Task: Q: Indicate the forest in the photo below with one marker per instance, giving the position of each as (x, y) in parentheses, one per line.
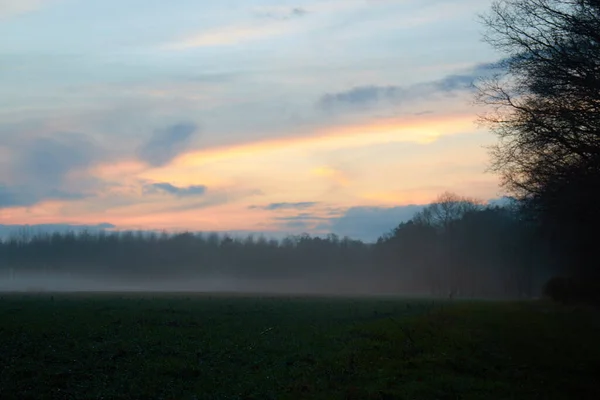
(453, 247)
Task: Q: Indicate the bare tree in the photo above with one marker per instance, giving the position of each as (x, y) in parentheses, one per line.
(545, 109)
(448, 207)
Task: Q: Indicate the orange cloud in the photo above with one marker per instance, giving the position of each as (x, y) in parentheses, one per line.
(118, 169)
(403, 197)
(411, 129)
(388, 163)
(328, 172)
(224, 217)
(46, 212)
(272, 165)
(139, 216)
(228, 36)
(482, 189)
(234, 34)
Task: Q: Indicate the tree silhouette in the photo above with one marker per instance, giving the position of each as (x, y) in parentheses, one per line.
(545, 109)
(447, 208)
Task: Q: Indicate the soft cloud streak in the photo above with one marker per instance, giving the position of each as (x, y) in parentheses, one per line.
(282, 13)
(9, 8)
(412, 129)
(54, 167)
(163, 187)
(286, 206)
(231, 35)
(167, 144)
(360, 96)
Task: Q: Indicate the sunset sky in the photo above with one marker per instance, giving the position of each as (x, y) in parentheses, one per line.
(239, 115)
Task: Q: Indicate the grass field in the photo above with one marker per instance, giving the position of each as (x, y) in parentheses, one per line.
(111, 346)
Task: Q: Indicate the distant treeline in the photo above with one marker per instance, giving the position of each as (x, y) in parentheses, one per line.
(461, 246)
(455, 246)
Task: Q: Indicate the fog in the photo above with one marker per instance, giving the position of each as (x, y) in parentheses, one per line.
(40, 282)
(454, 248)
(326, 285)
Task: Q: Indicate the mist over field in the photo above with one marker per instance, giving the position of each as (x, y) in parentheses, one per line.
(456, 247)
(44, 283)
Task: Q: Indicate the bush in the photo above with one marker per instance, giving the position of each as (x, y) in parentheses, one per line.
(568, 290)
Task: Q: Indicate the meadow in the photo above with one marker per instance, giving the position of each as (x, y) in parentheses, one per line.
(187, 346)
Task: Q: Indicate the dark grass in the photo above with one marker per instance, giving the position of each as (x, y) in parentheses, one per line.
(136, 346)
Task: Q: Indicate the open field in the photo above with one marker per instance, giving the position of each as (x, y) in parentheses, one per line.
(185, 346)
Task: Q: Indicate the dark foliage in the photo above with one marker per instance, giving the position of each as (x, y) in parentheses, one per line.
(545, 109)
(457, 246)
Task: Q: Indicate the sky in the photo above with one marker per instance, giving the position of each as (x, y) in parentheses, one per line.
(341, 116)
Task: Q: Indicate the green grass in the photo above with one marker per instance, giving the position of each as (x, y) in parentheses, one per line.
(197, 347)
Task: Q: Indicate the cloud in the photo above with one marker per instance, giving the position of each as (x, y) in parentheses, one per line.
(336, 175)
(362, 96)
(166, 144)
(9, 197)
(286, 206)
(50, 168)
(369, 223)
(297, 225)
(425, 112)
(189, 191)
(25, 196)
(261, 153)
(50, 159)
(216, 198)
(298, 12)
(301, 217)
(10, 8)
(302, 221)
(227, 36)
(273, 21)
(283, 13)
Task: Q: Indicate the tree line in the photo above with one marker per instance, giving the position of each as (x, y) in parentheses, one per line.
(453, 247)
